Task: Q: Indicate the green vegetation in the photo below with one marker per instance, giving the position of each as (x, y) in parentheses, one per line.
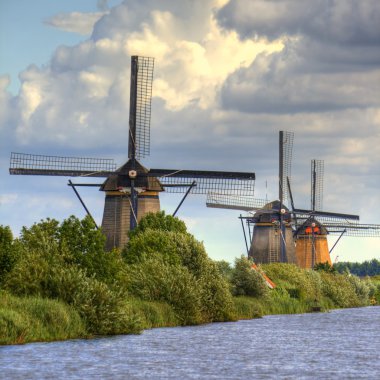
(366, 268)
(57, 282)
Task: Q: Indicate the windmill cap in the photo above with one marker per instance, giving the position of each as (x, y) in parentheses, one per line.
(122, 177)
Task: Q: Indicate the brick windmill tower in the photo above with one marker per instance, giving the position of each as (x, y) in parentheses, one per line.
(312, 227)
(132, 190)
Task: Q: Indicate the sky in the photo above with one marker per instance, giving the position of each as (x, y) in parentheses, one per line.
(229, 75)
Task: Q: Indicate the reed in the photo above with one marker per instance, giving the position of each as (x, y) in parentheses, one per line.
(31, 319)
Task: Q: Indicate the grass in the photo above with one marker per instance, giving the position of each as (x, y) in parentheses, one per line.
(32, 319)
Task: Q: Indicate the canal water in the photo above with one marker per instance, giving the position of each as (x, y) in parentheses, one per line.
(341, 344)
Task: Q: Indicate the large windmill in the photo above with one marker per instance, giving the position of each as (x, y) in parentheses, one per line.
(132, 190)
(272, 234)
(313, 226)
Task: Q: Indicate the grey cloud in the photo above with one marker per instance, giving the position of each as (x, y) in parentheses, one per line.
(334, 21)
(286, 82)
(332, 63)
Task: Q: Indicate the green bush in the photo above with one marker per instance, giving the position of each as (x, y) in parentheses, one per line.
(225, 269)
(159, 221)
(9, 251)
(247, 281)
(340, 290)
(154, 280)
(299, 283)
(46, 275)
(153, 243)
(158, 251)
(216, 298)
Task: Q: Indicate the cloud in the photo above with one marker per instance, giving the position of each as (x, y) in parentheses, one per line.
(75, 22)
(331, 21)
(285, 82)
(330, 59)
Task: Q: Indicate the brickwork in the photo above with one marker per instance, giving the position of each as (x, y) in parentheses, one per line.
(266, 243)
(304, 251)
(116, 216)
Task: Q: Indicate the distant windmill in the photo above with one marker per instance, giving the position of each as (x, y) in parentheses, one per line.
(312, 226)
(270, 227)
(272, 236)
(132, 190)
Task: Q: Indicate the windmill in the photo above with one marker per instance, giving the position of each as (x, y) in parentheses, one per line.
(272, 235)
(132, 190)
(313, 226)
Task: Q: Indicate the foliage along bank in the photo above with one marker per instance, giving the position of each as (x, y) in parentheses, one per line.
(57, 282)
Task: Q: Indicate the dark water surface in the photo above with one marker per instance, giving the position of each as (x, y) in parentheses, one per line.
(342, 344)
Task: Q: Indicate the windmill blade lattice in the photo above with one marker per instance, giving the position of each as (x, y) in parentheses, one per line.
(317, 170)
(140, 106)
(36, 164)
(234, 202)
(178, 181)
(325, 216)
(352, 229)
(285, 162)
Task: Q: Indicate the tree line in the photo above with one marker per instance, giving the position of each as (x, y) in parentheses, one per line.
(366, 268)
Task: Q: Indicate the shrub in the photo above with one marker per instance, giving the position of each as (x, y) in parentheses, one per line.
(340, 290)
(162, 241)
(46, 275)
(159, 221)
(326, 267)
(153, 243)
(154, 280)
(9, 251)
(290, 277)
(225, 269)
(246, 281)
(75, 242)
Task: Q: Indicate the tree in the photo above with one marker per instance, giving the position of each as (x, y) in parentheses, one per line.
(9, 252)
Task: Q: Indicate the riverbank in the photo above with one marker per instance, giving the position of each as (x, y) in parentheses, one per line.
(57, 282)
(33, 319)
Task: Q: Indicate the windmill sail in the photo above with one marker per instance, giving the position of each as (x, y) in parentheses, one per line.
(140, 106)
(234, 202)
(353, 229)
(36, 164)
(237, 183)
(317, 168)
(285, 163)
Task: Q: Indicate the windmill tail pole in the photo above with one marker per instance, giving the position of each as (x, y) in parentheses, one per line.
(267, 280)
(245, 236)
(340, 236)
(81, 201)
(194, 183)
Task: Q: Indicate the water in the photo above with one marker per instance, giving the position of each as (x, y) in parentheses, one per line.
(342, 344)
